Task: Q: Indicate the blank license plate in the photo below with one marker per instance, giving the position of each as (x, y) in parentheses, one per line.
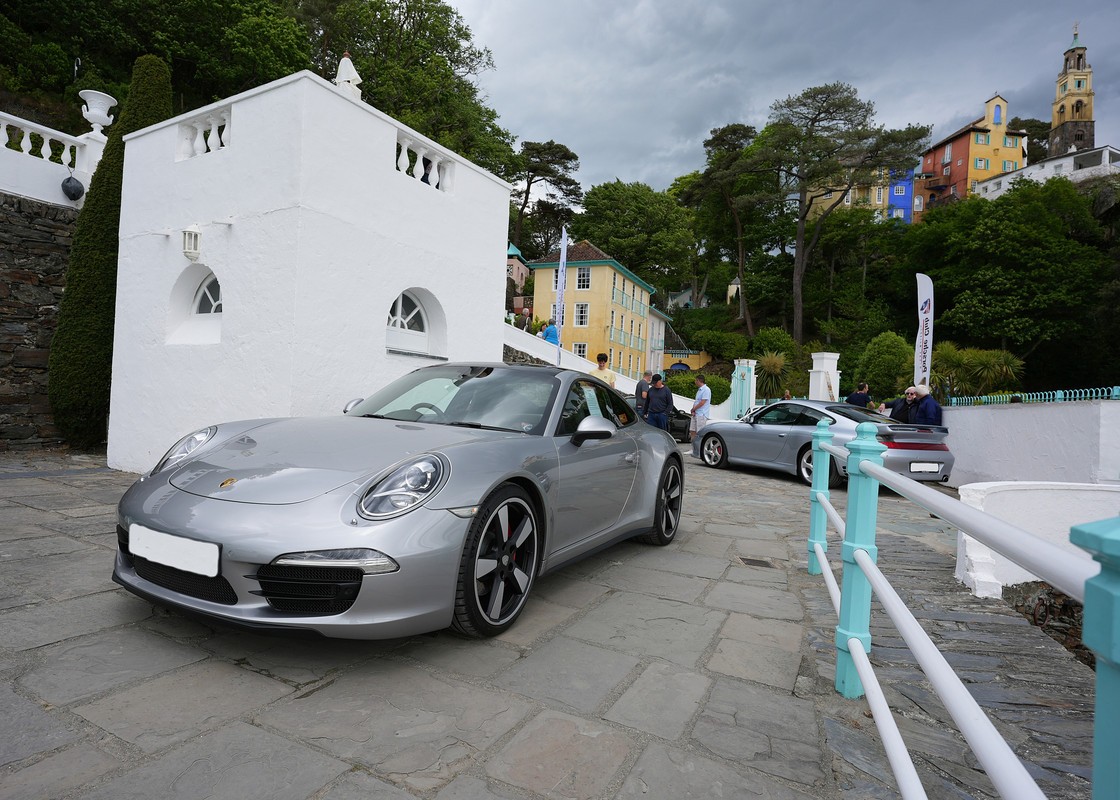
(924, 466)
(189, 555)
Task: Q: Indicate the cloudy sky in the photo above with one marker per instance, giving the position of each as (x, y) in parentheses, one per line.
(634, 86)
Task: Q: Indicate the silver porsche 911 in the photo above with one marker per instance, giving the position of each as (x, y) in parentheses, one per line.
(436, 502)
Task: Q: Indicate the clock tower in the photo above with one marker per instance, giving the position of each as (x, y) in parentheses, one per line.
(1071, 118)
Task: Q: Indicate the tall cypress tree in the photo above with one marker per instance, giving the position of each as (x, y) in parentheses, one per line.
(81, 358)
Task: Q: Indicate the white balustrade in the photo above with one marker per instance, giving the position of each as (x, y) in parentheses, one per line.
(207, 133)
(67, 146)
(423, 163)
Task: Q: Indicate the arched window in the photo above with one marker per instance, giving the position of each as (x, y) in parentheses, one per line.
(1077, 109)
(997, 118)
(1061, 113)
(917, 202)
(208, 299)
(407, 327)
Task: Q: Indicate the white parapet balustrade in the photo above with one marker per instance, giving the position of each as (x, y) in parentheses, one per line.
(52, 145)
(35, 159)
(205, 133)
(421, 161)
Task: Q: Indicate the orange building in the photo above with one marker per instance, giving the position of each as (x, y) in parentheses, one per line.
(953, 167)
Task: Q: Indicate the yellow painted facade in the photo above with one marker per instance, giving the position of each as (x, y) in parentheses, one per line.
(606, 308)
(992, 149)
(874, 196)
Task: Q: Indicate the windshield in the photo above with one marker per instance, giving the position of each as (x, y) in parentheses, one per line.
(477, 397)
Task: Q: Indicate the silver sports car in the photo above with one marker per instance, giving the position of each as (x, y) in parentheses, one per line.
(436, 502)
(780, 436)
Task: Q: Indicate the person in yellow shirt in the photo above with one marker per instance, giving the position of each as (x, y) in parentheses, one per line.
(602, 373)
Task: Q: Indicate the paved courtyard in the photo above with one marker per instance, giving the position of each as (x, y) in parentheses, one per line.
(700, 670)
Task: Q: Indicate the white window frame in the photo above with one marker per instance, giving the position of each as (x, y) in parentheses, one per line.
(581, 314)
(917, 202)
(580, 349)
(212, 296)
(559, 317)
(982, 163)
(900, 190)
(583, 278)
(878, 194)
(406, 327)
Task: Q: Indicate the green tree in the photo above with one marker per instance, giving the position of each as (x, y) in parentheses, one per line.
(549, 166)
(820, 144)
(1017, 271)
(773, 371)
(887, 365)
(646, 231)
(1038, 136)
(81, 357)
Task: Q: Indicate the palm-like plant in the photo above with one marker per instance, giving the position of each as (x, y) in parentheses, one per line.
(772, 371)
(991, 370)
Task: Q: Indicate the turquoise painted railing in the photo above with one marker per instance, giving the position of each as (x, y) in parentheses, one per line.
(1056, 396)
(861, 578)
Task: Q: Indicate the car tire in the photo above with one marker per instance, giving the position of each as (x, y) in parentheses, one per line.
(805, 468)
(713, 451)
(667, 509)
(499, 564)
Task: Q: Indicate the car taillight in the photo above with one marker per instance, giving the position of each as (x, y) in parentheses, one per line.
(893, 445)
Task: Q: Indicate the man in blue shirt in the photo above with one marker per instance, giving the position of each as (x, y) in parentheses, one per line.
(859, 397)
(659, 400)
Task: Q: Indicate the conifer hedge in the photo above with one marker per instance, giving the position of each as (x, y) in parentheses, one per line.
(81, 357)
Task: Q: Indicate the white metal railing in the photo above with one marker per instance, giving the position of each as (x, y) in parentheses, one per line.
(861, 576)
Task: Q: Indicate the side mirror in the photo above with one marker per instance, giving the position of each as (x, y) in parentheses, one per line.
(350, 406)
(593, 428)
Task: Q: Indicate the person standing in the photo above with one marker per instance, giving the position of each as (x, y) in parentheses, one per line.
(701, 408)
(659, 400)
(642, 387)
(859, 397)
(551, 333)
(525, 321)
(602, 372)
(927, 411)
(902, 409)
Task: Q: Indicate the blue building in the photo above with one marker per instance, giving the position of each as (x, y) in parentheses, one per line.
(900, 203)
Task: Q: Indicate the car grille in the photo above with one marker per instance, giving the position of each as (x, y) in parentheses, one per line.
(309, 590)
(214, 590)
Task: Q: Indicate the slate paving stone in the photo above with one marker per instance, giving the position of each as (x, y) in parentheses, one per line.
(668, 560)
(239, 761)
(42, 624)
(57, 774)
(662, 701)
(569, 672)
(62, 577)
(670, 586)
(408, 727)
(569, 592)
(298, 661)
(764, 728)
(463, 656)
(773, 666)
(650, 626)
(363, 786)
(78, 669)
(39, 547)
(26, 729)
(745, 628)
(539, 617)
(758, 575)
(466, 787)
(758, 601)
(561, 756)
(664, 772)
(705, 544)
(179, 705)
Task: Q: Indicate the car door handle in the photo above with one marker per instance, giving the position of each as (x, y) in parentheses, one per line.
(781, 435)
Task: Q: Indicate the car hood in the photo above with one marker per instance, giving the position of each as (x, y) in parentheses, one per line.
(293, 460)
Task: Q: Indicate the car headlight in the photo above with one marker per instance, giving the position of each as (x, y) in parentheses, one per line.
(183, 448)
(405, 488)
(370, 562)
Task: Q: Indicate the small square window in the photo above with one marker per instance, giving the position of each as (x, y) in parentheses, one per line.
(580, 349)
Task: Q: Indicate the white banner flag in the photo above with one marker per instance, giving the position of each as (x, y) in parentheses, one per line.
(561, 282)
(923, 345)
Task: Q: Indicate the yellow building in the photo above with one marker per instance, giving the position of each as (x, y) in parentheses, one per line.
(605, 309)
(874, 195)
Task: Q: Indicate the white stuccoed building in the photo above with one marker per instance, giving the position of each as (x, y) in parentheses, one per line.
(287, 250)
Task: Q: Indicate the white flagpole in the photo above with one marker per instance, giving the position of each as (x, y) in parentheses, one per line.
(923, 344)
(561, 282)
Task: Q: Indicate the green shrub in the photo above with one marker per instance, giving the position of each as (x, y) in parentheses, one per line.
(81, 357)
(774, 340)
(684, 384)
(887, 365)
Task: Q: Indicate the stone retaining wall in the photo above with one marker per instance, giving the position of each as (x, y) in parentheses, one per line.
(34, 249)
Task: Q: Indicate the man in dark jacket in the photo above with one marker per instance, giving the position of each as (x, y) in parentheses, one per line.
(927, 411)
(902, 409)
(659, 400)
